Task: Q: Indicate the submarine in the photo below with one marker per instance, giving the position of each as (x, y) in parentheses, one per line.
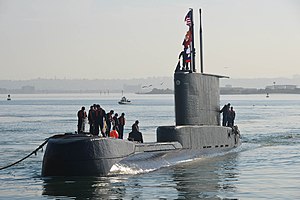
(197, 131)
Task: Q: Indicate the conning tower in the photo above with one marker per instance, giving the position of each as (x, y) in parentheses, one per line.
(197, 98)
(197, 103)
(197, 95)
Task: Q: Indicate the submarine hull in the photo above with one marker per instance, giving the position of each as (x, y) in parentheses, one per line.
(81, 155)
(192, 142)
(86, 155)
(197, 132)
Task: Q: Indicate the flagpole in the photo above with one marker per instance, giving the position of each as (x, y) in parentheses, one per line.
(193, 53)
(201, 47)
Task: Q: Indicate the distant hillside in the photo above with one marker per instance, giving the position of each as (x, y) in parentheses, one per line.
(84, 85)
(138, 85)
(240, 90)
(260, 82)
(160, 91)
(236, 90)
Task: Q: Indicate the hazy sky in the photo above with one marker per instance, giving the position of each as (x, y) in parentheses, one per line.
(142, 38)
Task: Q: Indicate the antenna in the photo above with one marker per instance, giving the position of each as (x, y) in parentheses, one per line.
(193, 50)
(201, 50)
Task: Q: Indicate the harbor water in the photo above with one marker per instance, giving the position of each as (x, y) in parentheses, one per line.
(265, 166)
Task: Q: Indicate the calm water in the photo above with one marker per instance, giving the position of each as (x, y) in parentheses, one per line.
(266, 166)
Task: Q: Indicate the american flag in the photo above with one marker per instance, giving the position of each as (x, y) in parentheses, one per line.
(188, 18)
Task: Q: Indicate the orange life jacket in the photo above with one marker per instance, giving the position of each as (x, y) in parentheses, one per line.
(114, 134)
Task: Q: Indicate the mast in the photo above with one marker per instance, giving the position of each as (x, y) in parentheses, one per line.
(193, 53)
(201, 46)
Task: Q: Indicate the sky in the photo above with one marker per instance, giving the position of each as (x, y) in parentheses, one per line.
(118, 39)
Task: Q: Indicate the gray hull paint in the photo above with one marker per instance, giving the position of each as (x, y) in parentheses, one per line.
(82, 155)
(197, 132)
(93, 156)
(192, 142)
(199, 137)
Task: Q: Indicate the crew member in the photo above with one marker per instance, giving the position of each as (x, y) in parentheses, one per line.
(183, 55)
(121, 125)
(91, 117)
(115, 122)
(231, 117)
(81, 114)
(99, 120)
(135, 134)
(225, 111)
(109, 120)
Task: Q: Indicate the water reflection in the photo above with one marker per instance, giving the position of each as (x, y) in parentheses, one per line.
(84, 187)
(209, 178)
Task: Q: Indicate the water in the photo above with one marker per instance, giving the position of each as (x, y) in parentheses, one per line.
(266, 166)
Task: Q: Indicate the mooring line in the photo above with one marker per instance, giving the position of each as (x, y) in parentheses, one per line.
(34, 152)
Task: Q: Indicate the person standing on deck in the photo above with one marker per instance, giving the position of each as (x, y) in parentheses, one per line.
(90, 118)
(115, 122)
(109, 119)
(100, 115)
(81, 114)
(96, 119)
(225, 111)
(84, 121)
(102, 121)
(231, 117)
(121, 125)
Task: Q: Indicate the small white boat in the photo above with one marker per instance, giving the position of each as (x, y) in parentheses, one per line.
(124, 100)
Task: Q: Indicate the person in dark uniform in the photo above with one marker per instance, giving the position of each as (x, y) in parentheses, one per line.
(90, 119)
(225, 111)
(81, 114)
(103, 128)
(231, 117)
(135, 134)
(115, 122)
(109, 119)
(184, 58)
(121, 125)
(135, 127)
(99, 119)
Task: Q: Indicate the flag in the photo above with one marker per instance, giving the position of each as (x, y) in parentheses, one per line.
(188, 18)
(187, 39)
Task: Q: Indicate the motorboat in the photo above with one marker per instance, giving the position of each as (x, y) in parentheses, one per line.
(124, 100)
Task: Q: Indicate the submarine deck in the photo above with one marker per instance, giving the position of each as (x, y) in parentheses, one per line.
(157, 146)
